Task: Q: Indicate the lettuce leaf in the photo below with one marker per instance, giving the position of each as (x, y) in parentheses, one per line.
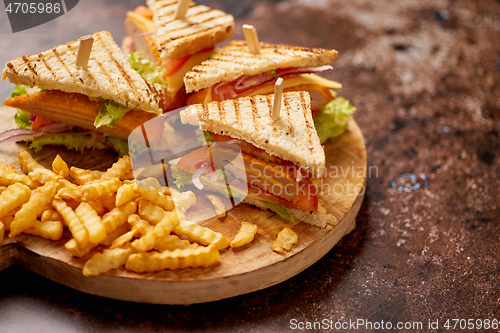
(150, 72)
(120, 145)
(333, 118)
(18, 91)
(22, 119)
(182, 177)
(110, 113)
(70, 141)
(278, 209)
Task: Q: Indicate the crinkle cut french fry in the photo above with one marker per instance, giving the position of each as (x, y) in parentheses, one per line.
(180, 258)
(10, 178)
(97, 206)
(202, 235)
(120, 168)
(48, 229)
(99, 188)
(82, 176)
(108, 201)
(13, 197)
(59, 165)
(27, 162)
(110, 238)
(51, 215)
(26, 217)
(67, 193)
(125, 238)
(245, 235)
(2, 188)
(92, 222)
(125, 194)
(77, 251)
(220, 209)
(162, 229)
(152, 213)
(42, 175)
(172, 242)
(6, 221)
(284, 241)
(153, 196)
(75, 225)
(7, 167)
(139, 224)
(118, 216)
(149, 182)
(107, 260)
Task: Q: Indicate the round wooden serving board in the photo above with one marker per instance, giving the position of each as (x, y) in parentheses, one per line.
(250, 268)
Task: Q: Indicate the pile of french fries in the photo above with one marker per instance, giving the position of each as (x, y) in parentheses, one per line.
(113, 220)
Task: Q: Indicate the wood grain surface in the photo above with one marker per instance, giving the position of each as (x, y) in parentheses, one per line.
(243, 270)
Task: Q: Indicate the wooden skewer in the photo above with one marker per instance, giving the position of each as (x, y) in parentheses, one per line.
(278, 95)
(84, 50)
(182, 8)
(252, 39)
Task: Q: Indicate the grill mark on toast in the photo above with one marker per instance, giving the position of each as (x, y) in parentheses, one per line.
(103, 70)
(122, 71)
(254, 113)
(237, 112)
(270, 105)
(11, 67)
(291, 129)
(197, 32)
(309, 126)
(42, 58)
(205, 113)
(58, 57)
(32, 69)
(163, 5)
(222, 114)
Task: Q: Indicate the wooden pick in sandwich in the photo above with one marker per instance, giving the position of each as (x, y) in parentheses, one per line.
(182, 8)
(252, 39)
(278, 94)
(84, 50)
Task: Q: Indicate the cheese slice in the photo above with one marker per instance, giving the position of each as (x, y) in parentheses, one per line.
(176, 81)
(302, 79)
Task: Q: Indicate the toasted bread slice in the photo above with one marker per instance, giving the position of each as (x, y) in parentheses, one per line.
(108, 75)
(201, 28)
(235, 60)
(77, 110)
(292, 137)
(136, 25)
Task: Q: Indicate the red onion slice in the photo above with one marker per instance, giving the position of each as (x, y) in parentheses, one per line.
(55, 128)
(147, 34)
(18, 134)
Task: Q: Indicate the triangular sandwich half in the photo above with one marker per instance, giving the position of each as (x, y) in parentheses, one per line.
(280, 157)
(176, 44)
(236, 72)
(95, 99)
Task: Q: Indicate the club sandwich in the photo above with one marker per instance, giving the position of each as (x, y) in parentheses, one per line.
(235, 72)
(176, 44)
(281, 157)
(61, 103)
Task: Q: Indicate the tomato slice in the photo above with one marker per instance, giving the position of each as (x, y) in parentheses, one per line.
(40, 121)
(308, 200)
(194, 160)
(173, 65)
